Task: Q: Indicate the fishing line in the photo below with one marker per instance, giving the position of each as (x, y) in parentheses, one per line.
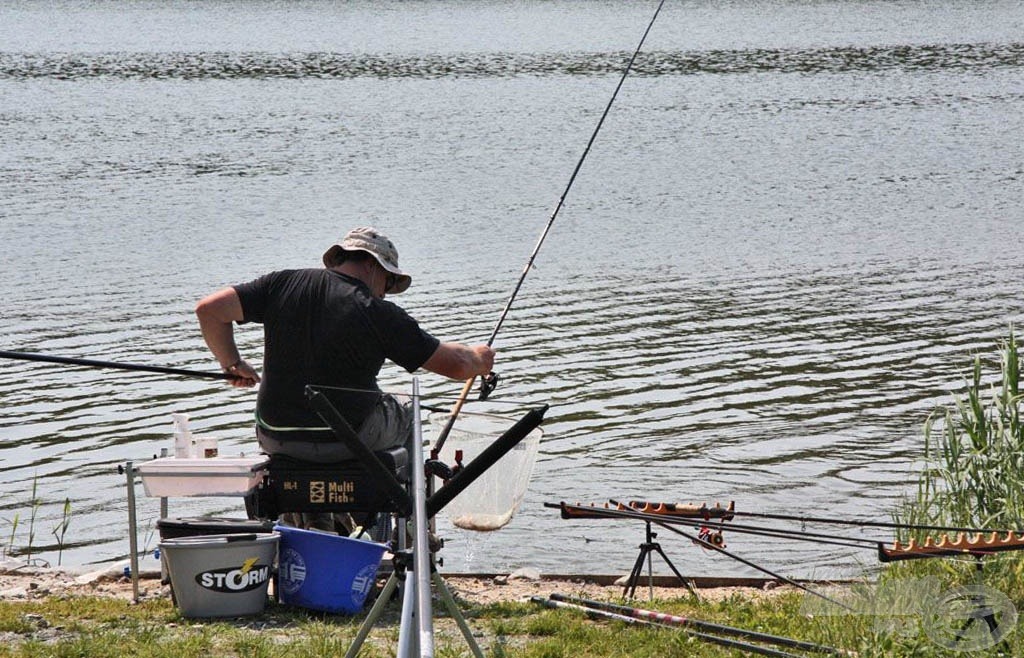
(547, 228)
(780, 533)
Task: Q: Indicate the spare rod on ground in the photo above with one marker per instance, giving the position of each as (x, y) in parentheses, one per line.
(710, 627)
(595, 613)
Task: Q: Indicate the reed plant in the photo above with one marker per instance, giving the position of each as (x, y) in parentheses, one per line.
(974, 454)
(973, 477)
(25, 553)
(977, 446)
(61, 529)
(9, 548)
(34, 505)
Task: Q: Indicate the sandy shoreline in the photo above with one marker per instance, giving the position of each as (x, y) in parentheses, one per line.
(30, 583)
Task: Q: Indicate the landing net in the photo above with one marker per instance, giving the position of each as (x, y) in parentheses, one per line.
(490, 502)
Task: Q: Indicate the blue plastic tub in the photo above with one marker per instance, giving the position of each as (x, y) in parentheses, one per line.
(326, 572)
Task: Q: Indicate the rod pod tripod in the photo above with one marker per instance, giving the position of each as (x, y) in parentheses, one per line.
(646, 548)
(415, 570)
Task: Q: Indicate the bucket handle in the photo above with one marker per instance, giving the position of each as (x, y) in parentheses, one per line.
(246, 537)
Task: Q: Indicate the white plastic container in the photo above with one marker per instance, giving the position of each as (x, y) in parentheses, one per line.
(205, 447)
(182, 436)
(219, 476)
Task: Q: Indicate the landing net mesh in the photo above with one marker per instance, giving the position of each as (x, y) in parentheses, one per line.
(490, 502)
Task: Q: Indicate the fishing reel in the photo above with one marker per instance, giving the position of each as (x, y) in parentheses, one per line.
(487, 385)
(711, 536)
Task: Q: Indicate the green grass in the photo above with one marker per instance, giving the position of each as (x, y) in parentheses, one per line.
(100, 627)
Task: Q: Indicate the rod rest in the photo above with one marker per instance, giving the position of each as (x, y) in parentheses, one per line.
(293, 485)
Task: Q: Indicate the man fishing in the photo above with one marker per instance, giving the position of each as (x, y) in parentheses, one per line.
(333, 328)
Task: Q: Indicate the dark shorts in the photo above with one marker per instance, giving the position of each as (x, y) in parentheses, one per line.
(388, 425)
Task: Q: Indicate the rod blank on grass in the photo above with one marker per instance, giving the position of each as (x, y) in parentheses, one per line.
(595, 613)
(676, 620)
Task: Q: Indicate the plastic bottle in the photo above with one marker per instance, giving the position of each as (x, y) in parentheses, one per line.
(182, 436)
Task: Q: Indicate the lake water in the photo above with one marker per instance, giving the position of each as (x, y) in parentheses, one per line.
(797, 226)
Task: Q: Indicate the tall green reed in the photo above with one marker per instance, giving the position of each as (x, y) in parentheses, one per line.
(25, 553)
(61, 529)
(974, 453)
(973, 475)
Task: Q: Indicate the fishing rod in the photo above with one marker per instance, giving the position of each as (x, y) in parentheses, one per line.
(871, 524)
(597, 613)
(975, 543)
(676, 620)
(29, 356)
(696, 521)
(654, 518)
(491, 381)
(835, 521)
(780, 533)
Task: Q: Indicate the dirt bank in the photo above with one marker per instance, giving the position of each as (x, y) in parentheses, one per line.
(25, 583)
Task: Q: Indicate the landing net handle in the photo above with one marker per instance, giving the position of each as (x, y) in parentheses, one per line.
(392, 487)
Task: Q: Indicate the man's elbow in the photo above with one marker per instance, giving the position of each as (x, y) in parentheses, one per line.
(222, 306)
(457, 361)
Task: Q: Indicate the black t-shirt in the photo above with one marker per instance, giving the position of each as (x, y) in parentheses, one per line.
(325, 328)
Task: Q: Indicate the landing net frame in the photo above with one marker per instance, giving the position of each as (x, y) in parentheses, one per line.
(492, 500)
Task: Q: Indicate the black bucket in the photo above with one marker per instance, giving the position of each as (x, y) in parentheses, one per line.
(213, 525)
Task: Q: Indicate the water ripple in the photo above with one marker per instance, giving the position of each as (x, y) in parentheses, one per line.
(328, 65)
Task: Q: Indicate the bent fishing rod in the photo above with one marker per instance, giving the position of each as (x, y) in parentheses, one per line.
(92, 363)
(488, 384)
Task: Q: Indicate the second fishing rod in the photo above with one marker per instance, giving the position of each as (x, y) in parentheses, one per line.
(492, 381)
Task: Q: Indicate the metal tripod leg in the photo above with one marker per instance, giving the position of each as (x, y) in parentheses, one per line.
(646, 549)
(416, 633)
(375, 613)
(453, 610)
